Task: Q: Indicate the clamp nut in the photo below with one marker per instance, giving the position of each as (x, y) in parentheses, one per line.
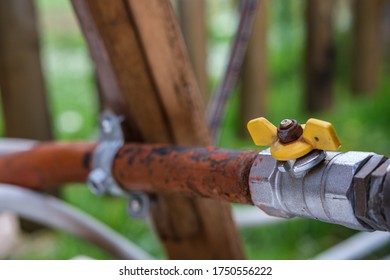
(97, 181)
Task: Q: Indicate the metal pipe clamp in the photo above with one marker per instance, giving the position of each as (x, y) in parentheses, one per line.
(101, 180)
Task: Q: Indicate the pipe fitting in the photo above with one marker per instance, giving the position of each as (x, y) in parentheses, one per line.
(325, 192)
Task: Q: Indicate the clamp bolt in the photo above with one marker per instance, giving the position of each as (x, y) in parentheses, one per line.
(97, 181)
(106, 126)
(139, 204)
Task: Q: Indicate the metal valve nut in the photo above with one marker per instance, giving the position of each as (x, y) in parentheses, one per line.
(375, 197)
(361, 188)
(386, 198)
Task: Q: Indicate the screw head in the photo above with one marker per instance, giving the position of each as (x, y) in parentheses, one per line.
(135, 206)
(289, 131)
(138, 206)
(97, 181)
(106, 126)
(286, 123)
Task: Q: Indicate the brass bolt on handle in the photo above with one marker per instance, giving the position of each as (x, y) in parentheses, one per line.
(289, 131)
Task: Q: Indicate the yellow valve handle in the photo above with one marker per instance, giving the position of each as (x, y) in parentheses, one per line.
(316, 134)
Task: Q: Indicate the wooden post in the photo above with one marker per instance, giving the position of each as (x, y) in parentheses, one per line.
(367, 44)
(320, 55)
(254, 74)
(145, 76)
(22, 86)
(193, 25)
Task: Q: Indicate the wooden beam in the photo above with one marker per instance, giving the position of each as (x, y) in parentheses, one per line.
(193, 25)
(319, 55)
(145, 75)
(21, 80)
(367, 44)
(254, 74)
(23, 90)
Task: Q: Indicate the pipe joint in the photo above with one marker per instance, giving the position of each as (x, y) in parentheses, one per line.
(350, 189)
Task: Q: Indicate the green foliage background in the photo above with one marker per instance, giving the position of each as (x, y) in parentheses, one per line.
(362, 122)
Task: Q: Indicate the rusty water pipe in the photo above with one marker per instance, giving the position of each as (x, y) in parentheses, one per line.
(207, 172)
(47, 165)
(201, 171)
(351, 189)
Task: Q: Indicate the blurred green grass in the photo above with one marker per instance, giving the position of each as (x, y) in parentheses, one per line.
(362, 122)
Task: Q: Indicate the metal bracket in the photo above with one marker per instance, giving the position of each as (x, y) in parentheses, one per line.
(100, 179)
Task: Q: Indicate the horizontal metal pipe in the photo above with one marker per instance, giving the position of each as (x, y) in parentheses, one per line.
(206, 171)
(356, 247)
(13, 145)
(57, 214)
(47, 165)
(351, 189)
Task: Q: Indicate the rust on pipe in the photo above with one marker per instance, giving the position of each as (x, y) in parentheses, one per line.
(198, 171)
(47, 165)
